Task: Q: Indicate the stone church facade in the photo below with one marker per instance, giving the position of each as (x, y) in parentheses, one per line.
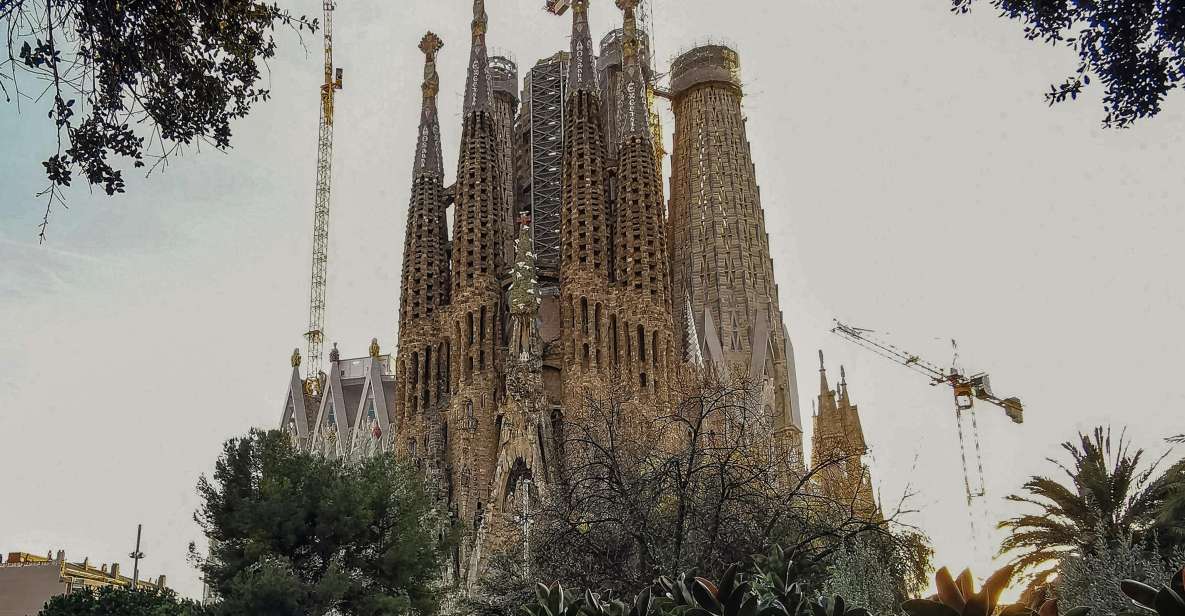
(497, 346)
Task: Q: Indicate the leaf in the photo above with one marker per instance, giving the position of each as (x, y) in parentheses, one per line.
(926, 607)
(948, 591)
(1169, 603)
(1143, 594)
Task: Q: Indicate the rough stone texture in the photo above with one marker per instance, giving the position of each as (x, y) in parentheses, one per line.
(586, 300)
(423, 361)
(838, 445)
(719, 248)
(640, 242)
(503, 107)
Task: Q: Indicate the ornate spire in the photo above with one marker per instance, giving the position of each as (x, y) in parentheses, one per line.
(844, 401)
(581, 71)
(374, 348)
(428, 153)
(477, 83)
(633, 114)
(524, 283)
(823, 386)
(295, 358)
(334, 355)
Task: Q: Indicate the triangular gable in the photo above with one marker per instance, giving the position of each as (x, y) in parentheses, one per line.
(759, 345)
(373, 398)
(792, 376)
(332, 396)
(712, 338)
(294, 413)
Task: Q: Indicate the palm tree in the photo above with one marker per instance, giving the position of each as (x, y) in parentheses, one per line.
(1108, 496)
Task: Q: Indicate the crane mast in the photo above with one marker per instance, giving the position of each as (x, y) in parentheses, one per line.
(316, 332)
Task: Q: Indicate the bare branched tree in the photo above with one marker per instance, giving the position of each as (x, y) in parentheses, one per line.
(696, 481)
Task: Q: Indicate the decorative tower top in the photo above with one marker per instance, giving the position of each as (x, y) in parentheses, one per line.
(581, 72)
(843, 388)
(524, 283)
(477, 83)
(826, 396)
(634, 117)
(295, 358)
(428, 153)
(374, 348)
(334, 355)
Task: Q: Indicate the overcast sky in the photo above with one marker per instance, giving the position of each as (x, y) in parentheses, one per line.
(913, 179)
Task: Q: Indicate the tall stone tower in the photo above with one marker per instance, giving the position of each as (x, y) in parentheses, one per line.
(722, 275)
(586, 300)
(504, 106)
(639, 232)
(472, 324)
(421, 365)
(838, 446)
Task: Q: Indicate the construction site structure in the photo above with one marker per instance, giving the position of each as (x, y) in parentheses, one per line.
(555, 279)
(722, 275)
(838, 447)
(539, 132)
(966, 390)
(316, 332)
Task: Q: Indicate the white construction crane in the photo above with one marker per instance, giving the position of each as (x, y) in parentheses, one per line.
(316, 332)
(966, 390)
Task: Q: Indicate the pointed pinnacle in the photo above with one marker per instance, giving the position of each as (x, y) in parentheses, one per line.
(480, 19)
(431, 44)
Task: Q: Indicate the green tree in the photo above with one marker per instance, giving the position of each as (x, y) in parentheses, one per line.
(295, 533)
(112, 601)
(880, 572)
(1107, 494)
(126, 79)
(1134, 48)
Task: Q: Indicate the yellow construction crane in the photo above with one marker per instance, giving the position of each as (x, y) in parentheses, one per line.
(316, 332)
(966, 389)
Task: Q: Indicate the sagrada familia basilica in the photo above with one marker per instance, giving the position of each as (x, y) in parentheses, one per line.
(566, 269)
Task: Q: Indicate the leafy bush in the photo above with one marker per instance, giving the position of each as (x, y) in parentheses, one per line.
(1095, 580)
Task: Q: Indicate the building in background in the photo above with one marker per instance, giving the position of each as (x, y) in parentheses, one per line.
(838, 447)
(351, 416)
(564, 270)
(27, 581)
(722, 276)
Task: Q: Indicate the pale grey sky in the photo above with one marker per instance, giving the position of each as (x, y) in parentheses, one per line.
(913, 179)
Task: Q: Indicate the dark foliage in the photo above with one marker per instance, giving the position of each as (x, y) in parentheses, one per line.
(648, 491)
(112, 601)
(294, 533)
(771, 589)
(123, 79)
(1134, 48)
